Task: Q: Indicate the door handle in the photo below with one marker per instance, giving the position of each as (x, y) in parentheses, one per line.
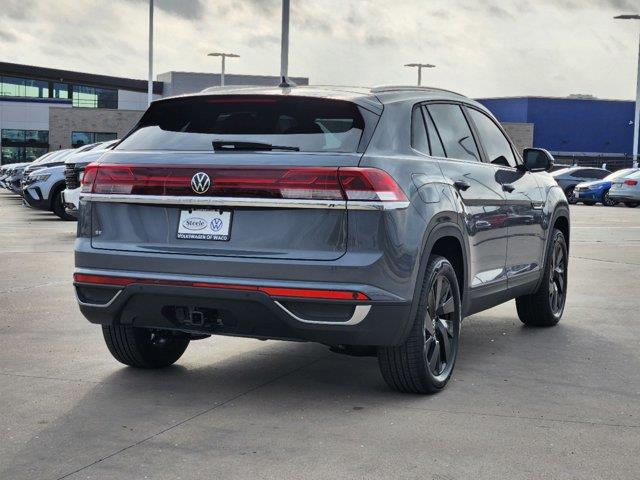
(507, 187)
(462, 185)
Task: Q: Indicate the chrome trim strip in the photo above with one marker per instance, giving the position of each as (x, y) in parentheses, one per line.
(376, 206)
(97, 305)
(359, 314)
(243, 202)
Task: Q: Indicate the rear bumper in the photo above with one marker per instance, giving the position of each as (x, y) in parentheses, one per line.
(625, 196)
(243, 313)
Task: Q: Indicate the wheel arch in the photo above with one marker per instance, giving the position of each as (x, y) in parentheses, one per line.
(53, 191)
(444, 238)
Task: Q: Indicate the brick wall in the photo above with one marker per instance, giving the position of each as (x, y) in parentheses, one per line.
(63, 121)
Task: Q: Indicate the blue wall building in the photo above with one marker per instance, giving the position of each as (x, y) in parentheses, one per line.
(576, 125)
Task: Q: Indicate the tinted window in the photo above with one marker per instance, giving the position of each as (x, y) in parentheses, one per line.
(496, 145)
(599, 174)
(418, 133)
(437, 150)
(310, 124)
(454, 131)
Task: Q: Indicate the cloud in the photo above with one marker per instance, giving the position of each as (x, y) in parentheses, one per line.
(188, 9)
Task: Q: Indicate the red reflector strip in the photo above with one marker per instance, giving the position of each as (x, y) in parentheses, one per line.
(271, 291)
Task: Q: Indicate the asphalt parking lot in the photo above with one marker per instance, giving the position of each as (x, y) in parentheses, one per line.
(523, 403)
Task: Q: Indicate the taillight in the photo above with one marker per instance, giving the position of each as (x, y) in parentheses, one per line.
(631, 183)
(303, 183)
(90, 171)
(369, 184)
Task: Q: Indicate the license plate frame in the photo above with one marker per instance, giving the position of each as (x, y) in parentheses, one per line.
(205, 224)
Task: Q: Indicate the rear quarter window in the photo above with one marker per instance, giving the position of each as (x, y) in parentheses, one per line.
(308, 124)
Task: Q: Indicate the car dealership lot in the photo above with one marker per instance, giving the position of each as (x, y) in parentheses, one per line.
(523, 403)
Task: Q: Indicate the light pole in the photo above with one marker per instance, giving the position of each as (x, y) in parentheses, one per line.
(420, 67)
(223, 56)
(636, 121)
(150, 85)
(284, 45)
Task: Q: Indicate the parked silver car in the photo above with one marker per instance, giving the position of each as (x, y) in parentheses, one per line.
(627, 190)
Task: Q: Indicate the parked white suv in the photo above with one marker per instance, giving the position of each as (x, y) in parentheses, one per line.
(74, 171)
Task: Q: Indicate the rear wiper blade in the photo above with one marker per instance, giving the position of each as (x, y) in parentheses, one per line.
(249, 147)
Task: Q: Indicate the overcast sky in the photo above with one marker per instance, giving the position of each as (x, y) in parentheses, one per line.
(481, 48)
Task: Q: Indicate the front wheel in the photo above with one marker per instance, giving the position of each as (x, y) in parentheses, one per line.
(571, 196)
(144, 348)
(58, 207)
(544, 307)
(425, 361)
(631, 204)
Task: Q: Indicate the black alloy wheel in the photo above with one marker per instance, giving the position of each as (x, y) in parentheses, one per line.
(424, 362)
(571, 196)
(441, 336)
(557, 278)
(607, 201)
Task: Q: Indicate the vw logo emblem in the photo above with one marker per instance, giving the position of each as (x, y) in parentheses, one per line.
(200, 183)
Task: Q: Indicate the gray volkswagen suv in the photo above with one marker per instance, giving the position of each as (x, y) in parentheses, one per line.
(369, 220)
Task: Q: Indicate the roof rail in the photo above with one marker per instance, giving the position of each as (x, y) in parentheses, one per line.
(409, 88)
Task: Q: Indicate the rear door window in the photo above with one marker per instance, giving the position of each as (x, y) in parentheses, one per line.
(496, 145)
(301, 123)
(418, 133)
(437, 150)
(454, 131)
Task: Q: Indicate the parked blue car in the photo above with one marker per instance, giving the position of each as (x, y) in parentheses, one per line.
(597, 191)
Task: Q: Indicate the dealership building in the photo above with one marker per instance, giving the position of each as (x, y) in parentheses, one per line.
(44, 109)
(575, 126)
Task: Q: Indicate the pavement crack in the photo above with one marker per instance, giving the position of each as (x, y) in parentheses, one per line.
(29, 287)
(603, 260)
(192, 417)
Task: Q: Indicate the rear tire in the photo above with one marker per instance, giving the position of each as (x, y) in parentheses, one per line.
(425, 361)
(144, 348)
(544, 307)
(631, 204)
(607, 201)
(58, 207)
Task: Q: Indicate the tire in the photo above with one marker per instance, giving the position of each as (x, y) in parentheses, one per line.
(144, 348)
(57, 206)
(631, 204)
(571, 198)
(422, 364)
(607, 201)
(545, 307)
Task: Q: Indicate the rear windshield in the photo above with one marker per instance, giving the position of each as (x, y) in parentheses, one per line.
(307, 124)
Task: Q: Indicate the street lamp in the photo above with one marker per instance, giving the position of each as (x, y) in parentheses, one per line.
(420, 67)
(223, 56)
(636, 121)
(150, 83)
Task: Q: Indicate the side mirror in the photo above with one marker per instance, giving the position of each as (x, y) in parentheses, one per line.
(537, 160)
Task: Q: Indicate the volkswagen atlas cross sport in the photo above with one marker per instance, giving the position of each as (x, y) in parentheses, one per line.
(369, 220)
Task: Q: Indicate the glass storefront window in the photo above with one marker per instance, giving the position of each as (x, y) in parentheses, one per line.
(23, 87)
(78, 139)
(23, 145)
(94, 97)
(21, 154)
(60, 90)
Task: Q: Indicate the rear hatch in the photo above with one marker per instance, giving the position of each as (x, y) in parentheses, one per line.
(228, 175)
